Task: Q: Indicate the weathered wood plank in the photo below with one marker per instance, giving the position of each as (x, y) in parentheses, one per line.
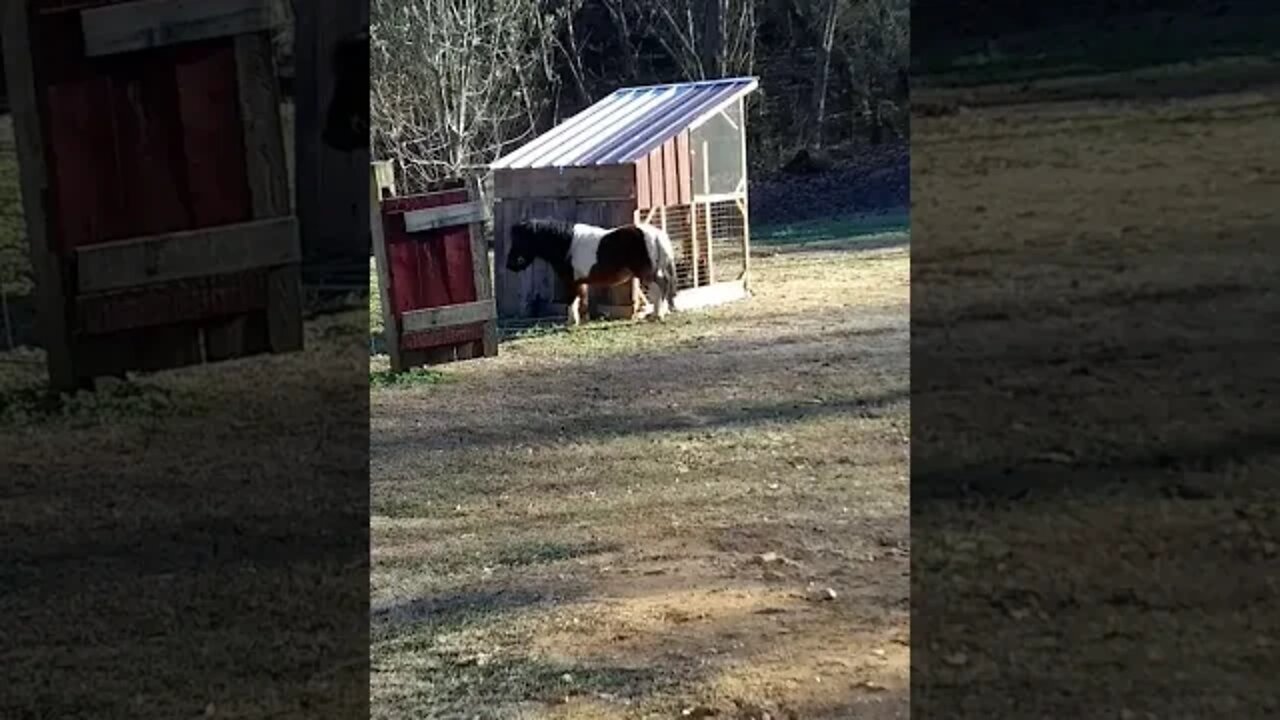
(443, 217)
(267, 170)
(390, 325)
(263, 135)
(147, 24)
(384, 174)
(482, 275)
(187, 254)
(47, 265)
(441, 317)
(193, 300)
(603, 182)
(433, 346)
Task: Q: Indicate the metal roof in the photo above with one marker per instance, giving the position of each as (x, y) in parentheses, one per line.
(627, 125)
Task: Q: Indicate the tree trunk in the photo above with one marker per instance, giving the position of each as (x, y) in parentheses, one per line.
(824, 73)
(714, 12)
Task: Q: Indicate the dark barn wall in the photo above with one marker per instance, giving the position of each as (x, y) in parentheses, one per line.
(332, 199)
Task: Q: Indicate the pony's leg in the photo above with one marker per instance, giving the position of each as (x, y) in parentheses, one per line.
(658, 293)
(578, 307)
(638, 299)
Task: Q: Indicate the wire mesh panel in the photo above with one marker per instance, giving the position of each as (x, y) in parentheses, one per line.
(727, 240)
(709, 237)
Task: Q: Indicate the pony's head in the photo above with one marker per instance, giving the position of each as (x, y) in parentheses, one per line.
(530, 240)
(346, 126)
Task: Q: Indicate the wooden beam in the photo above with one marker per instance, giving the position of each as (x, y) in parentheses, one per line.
(711, 295)
(390, 326)
(193, 300)
(187, 254)
(47, 265)
(743, 202)
(384, 174)
(719, 197)
(440, 317)
(443, 217)
(268, 174)
(147, 24)
(603, 182)
(259, 97)
(483, 273)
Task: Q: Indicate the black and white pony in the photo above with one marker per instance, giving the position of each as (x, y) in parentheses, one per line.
(586, 256)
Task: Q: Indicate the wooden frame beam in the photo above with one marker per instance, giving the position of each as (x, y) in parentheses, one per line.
(147, 24)
(268, 176)
(468, 213)
(188, 254)
(482, 270)
(390, 326)
(46, 264)
(602, 182)
(448, 316)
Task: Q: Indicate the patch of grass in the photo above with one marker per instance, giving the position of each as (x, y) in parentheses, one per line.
(861, 231)
(34, 404)
(1120, 46)
(538, 552)
(413, 378)
(592, 499)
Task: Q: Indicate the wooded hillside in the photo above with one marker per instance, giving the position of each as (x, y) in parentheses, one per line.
(458, 82)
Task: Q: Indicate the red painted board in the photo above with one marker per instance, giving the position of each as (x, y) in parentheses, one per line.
(183, 301)
(137, 143)
(643, 201)
(670, 177)
(428, 269)
(217, 186)
(685, 179)
(442, 337)
(657, 179)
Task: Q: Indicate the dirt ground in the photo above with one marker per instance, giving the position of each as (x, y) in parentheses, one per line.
(1083, 270)
(186, 544)
(642, 520)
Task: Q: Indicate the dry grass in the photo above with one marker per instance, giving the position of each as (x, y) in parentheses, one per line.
(189, 539)
(1078, 269)
(579, 527)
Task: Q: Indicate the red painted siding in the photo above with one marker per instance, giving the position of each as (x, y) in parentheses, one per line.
(428, 269)
(139, 143)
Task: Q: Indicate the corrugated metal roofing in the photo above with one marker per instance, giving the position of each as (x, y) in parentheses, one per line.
(626, 125)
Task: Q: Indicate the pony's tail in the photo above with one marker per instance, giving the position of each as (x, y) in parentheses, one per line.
(669, 281)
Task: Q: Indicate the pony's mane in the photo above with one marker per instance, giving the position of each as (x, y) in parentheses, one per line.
(548, 227)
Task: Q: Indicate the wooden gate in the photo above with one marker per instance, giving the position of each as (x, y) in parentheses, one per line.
(154, 181)
(433, 274)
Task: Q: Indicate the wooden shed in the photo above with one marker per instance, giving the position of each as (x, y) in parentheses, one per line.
(671, 155)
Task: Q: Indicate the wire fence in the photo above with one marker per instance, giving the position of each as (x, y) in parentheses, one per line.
(710, 239)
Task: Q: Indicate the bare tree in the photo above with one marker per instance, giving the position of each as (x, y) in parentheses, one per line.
(709, 38)
(456, 82)
(827, 30)
(875, 48)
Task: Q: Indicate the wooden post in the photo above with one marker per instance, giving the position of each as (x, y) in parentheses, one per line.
(390, 330)
(482, 272)
(746, 192)
(268, 181)
(46, 264)
(706, 183)
(384, 173)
